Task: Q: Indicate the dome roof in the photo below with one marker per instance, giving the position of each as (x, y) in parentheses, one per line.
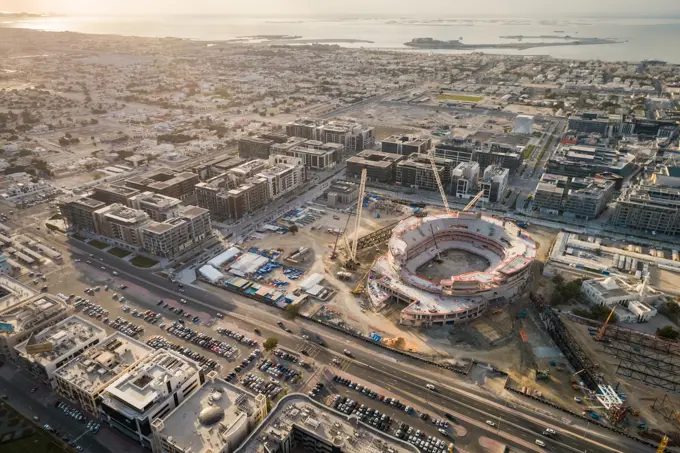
(211, 415)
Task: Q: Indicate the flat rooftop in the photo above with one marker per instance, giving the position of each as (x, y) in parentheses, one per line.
(96, 367)
(65, 336)
(146, 385)
(30, 312)
(118, 190)
(207, 419)
(161, 179)
(13, 292)
(375, 158)
(299, 412)
(89, 203)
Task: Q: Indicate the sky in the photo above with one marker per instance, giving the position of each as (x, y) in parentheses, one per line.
(414, 8)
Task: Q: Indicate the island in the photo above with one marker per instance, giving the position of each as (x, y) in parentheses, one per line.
(455, 44)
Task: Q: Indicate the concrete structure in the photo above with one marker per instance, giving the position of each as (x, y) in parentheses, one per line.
(19, 321)
(584, 198)
(494, 183)
(233, 204)
(85, 377)
(301, 424)
(582, 160)
(342, 194)
(158, 207)
(165, 182)
(186, 230)
(79, 213)
(380, 166)
(216, 418)
(147, 391)
(406, 145)
(523, 125)
(415, 242)
(121, 224)
(60, 343)
(465, 180)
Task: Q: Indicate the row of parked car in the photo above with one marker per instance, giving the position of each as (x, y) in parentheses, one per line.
(286, 355)
(237, 336)
(426, 444)
(277, 370)
(92, 309)
(123, 325)
(214, 345)
(159, 342)
(244, 363)
(270, 388)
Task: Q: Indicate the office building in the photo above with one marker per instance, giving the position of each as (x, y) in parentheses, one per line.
(218, 166)
(494, 182)
(83, 379)
(299, 424)
(216, 418)
(583, 198)
(417, 172)
(158, 207)
(649, 208)
(465, 180)
(342, 194)
(111, 194)
(316, 155)
(20, 320)
(506, 155)
(187, 230)
(595, 123)
(380, 166)
(149, 390)
(583, 160)
(44, 352)
(121, 224)
(78, 213)
(165, 182)
(406, 145)
(254, 147)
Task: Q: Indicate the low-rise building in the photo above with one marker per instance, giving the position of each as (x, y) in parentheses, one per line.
(608, 292)
(459, 150)
(494, 183)
(301, 424)
(417, 172)
(284, 175)
(352, 136)
(650, 208)
(380, 166)
(188, 229)
(79, 212)
(216, 418)
(465, 179)
(317, 155)
(110, 194)
(48, 350)
(158, 207)
(165, 182)
(20, 320)
(147, 391)
(121, 224)
(254, 147)
(584, 160)
(85, 377)
(584, 198)
(342, 193)
(406, 145)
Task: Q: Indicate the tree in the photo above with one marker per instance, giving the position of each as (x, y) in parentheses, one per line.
(270, 344)
(292, 311)
(558, 280)
(668, 332)
(293, 229)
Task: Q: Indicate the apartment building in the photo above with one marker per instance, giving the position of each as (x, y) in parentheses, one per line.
(465, 180)
(300, 424)
(416, 172)
(121, 224)
(233, 203)
(406, 145)
(79, 212)
(380, 166)
(284, 175)
(254, 147)
(218, 166)
(583, 198)
(494, 183)
(158, 207)
(591, 122)
(165, 182)
(506, 155)
(48, 350)
(83, 379)
(353, 137)
(216, 418)
(111, 194)
(188, 229)
(149, 390)
(317, 155)
(653, 209)
(22, 319)
(584, 160)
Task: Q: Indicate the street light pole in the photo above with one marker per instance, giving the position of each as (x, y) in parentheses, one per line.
(498, 429)
(585, 430)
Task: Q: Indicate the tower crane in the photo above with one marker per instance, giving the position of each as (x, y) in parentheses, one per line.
(342, 233)
(352, 261)
(603, 329)
(473, 202)
(439, 181)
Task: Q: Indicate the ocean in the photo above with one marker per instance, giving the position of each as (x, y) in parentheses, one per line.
(647, 38)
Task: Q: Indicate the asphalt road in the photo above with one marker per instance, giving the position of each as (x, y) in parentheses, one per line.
(384, 366)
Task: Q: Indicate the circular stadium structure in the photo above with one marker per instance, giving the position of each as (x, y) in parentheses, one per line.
(448, 268)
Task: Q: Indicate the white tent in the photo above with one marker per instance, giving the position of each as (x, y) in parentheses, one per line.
(210, 273)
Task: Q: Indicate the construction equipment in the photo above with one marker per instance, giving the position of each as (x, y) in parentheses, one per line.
(662, 444)
(473, 202)
(334, 254)
(361, 286)
(603, 329)
(439, 181)
(352, 260)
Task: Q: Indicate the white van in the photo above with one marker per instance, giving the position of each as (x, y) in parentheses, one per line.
(430, 386)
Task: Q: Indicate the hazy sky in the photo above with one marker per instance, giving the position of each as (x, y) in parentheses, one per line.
(448, 8)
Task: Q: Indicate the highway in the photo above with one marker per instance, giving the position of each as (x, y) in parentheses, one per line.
(377, 365)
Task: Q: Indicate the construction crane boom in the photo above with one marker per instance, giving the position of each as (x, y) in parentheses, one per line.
(360, 204)
(439, 181)
(341, 233)
(473, 202)
(603, 329)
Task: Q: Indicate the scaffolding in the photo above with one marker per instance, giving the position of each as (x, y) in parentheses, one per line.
(667, 410)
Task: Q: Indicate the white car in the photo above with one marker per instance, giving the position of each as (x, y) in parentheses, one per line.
(490, 423)
(115, 272)
(183, 301)
(540, 443)
(550, 431)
